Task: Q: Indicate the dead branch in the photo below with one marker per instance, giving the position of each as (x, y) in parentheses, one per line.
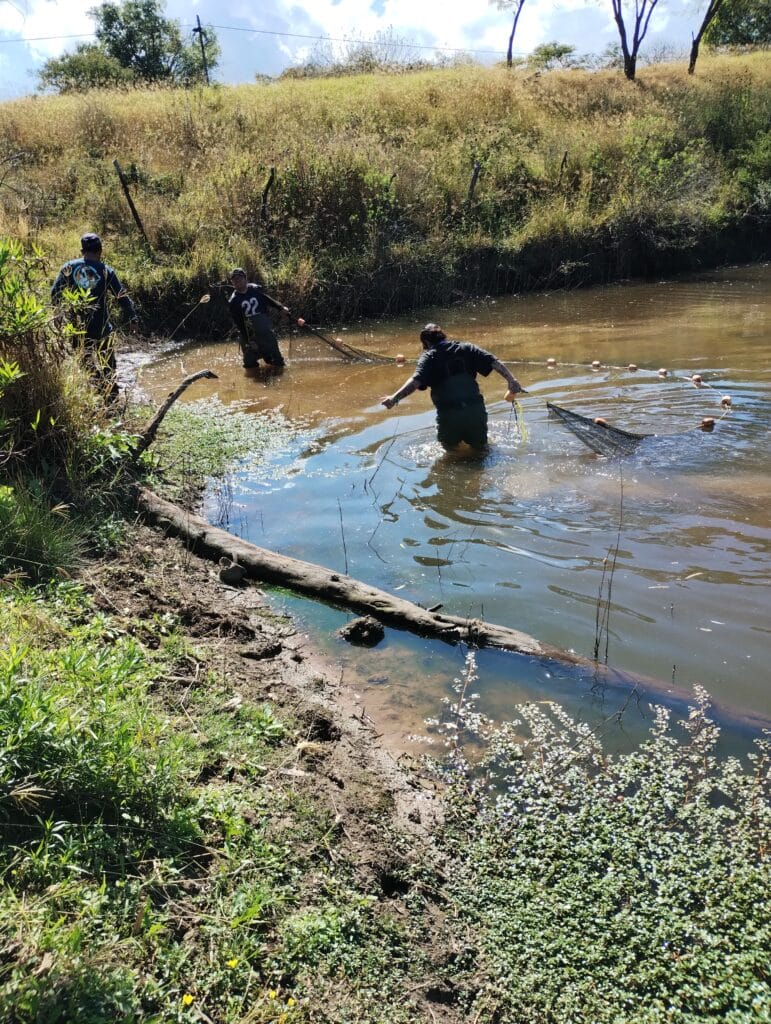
(147, 436)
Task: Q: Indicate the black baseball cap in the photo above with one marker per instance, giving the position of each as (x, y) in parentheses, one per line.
(236, 271)
(91, 242)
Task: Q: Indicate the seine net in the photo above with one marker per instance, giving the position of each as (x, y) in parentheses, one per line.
(596, 434)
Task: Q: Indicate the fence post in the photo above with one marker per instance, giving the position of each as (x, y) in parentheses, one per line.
(130, 201)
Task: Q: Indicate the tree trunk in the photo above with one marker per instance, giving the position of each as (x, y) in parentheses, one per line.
(694, 55)
(630, 66)
(510, 51)
(709, 15)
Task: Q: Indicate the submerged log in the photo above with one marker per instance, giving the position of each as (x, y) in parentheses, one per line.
(338, 589)
(343, 591)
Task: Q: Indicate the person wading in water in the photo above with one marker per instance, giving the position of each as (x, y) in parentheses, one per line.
(449, 368)
(249, 306)
(91, 275)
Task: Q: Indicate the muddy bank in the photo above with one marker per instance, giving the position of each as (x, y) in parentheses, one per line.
(264, 657)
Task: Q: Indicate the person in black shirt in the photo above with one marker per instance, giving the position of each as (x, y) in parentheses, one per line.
(249, 306)
(449, 369)
(89, 274)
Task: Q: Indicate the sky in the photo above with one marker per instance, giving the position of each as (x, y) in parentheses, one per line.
(265, 38)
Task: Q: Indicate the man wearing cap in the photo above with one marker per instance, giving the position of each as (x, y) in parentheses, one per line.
(89, 274)
(449, 368)
(249, 306)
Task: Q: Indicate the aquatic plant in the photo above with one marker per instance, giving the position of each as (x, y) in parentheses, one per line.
(599, 887)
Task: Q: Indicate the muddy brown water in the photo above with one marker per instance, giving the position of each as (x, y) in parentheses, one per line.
(525, 536)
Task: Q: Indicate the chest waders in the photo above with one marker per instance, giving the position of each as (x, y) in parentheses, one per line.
(460, 408)
(261, 342)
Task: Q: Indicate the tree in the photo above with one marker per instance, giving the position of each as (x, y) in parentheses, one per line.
(741, 23)
(135, 43)
(89, 67)
(515, 6)
(643, 9)
(713, 8)
(551, 55)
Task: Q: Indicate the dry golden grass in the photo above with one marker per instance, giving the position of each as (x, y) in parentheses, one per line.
(373, 166)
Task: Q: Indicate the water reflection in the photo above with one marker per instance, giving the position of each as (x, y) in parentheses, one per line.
(521, 535)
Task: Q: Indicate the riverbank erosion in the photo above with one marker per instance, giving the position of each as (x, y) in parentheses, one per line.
(361, 199)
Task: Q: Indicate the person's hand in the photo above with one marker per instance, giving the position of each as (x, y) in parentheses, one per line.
(300, 322)
(133, 326)
(388, 402)
(514, 390)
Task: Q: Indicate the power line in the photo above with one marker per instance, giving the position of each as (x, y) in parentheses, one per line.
(41, 39)
(360, 42)
(285, 35)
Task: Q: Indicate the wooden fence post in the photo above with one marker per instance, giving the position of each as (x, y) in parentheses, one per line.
(130, 201)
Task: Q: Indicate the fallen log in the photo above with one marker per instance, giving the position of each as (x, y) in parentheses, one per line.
(335, 588)
(322, 584)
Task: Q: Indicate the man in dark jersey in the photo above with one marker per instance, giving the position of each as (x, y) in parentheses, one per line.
(249, 306)
(449, 369)
(89, 274)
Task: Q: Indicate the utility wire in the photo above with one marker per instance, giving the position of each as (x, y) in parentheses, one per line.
(287, 35)
(361, 42)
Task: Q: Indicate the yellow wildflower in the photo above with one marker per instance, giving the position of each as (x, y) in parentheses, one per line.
(272, 994)
(233, 961)
(290, 1001)
(187, 999)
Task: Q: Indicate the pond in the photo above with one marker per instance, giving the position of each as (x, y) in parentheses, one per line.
(532, 535)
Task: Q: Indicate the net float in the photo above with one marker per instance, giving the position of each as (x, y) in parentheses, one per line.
(600, 422)
(551, 361)
(632, 367)
(697, 380)
(726, 401)
(707, 424)
(663, 372)
(400, 357)
(596, 364)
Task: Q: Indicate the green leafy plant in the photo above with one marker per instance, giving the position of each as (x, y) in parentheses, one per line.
(604, 887)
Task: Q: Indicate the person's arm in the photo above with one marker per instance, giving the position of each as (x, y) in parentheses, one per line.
(406, 389)
(238, 317)
(275, 303)
(514, 386)
(123, 297)
(62, 281)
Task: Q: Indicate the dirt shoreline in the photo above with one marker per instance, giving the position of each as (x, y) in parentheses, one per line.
(264, 658)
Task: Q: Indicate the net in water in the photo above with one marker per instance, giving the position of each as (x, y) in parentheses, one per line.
(596, 433)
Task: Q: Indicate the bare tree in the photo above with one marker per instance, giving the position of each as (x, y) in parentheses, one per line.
(515, 6)
(643, 9)
(712, 8)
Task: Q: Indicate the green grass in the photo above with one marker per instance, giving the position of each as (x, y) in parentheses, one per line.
(154, 861)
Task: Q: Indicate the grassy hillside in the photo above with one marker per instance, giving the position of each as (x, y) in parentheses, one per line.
(584, 177)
